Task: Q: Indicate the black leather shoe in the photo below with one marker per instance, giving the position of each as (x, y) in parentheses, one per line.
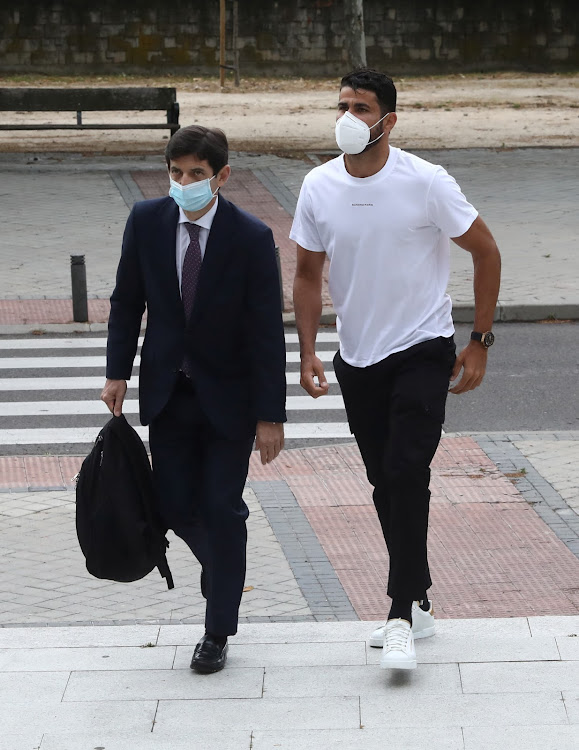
(209, 655)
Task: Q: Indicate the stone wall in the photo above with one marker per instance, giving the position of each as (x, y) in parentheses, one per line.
(286, 37)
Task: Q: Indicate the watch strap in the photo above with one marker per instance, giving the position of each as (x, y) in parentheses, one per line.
(486, 339)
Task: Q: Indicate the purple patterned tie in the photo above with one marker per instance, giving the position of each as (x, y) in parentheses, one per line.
(191, 268)
(189, 278)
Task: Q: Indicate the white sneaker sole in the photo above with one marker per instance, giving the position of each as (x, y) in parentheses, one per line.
(398, 664)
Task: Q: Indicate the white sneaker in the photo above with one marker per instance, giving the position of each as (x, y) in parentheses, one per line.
(398, 650)
(422, 626)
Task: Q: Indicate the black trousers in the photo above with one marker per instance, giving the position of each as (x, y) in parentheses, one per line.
(395, 410)
(200, 478)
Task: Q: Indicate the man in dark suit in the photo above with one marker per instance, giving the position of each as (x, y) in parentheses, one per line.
(212, 373)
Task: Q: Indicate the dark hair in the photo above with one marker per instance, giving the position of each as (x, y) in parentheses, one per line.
(372, 80)
(207, 144)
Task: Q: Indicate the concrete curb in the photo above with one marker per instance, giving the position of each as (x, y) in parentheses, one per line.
(505, 313)
(38, 328)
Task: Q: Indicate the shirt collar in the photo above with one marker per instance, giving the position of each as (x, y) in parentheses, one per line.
(205, 221)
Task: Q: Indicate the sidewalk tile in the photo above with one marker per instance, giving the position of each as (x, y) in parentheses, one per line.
(26, 311)
(298, 713)
(385, 738)
(81, 717)
(554, 625)
(571, 698)
(70, 659)
(29, 741)
(274, 632)
(521, 738)
(77, 637)
(324, 681)
(12, 472)
(481, 649)
(286, 654)
(43, 471)
(463, 710)
(163, 684)
(34, 687)
(569, 649)
(174, 740)
(523, 677)
(510, 627)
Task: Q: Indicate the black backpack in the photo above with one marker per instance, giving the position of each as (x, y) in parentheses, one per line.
(118, 526)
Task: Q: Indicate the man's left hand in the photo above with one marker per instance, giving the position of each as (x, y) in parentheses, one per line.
(269, 440)
(473, 362)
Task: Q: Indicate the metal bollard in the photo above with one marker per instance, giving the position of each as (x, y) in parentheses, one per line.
(278, 261)
(79, 295)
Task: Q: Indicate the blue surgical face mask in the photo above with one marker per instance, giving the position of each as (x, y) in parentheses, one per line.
(192, 197)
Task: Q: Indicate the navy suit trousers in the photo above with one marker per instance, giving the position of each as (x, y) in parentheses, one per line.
(200, 478)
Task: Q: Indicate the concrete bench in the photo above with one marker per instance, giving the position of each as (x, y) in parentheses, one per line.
(91, 100)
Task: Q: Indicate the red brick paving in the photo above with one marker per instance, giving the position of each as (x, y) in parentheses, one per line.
(491, 555)
(33, 472)
(43, 311)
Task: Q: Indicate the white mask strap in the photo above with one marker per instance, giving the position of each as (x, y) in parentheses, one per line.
(376, 139)
(374, 125)
(380, 120)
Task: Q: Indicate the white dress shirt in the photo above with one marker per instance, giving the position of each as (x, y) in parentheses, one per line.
(183, 238)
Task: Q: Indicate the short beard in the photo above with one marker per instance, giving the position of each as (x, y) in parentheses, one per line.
(375, 142)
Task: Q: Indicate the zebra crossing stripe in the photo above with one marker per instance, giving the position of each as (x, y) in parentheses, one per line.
(47, 363)
(131, 406)
(85, 435)
(97, 382)
(58, 384)
(67, 363)
(39, 342)
(84, 353)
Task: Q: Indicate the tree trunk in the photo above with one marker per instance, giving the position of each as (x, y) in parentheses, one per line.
(222, 43)
(355, 39)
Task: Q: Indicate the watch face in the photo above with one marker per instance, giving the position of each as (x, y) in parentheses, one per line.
(488, 339)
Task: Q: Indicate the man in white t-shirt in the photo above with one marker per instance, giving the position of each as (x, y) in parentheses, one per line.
(384, 217)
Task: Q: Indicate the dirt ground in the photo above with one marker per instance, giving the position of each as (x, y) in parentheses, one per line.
(295, 116)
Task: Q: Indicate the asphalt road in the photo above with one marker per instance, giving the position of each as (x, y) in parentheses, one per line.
(532, 381)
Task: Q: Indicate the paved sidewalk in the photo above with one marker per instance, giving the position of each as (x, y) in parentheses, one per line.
(109, 666)
(503, 542)
(482, 684)
(527, 196)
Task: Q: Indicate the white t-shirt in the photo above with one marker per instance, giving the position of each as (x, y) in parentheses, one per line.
(387, 238)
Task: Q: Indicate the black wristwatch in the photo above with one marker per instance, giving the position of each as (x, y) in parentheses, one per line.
(486, 339)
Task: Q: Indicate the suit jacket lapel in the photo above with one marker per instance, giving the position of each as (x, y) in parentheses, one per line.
(216, 254)
(166, 248)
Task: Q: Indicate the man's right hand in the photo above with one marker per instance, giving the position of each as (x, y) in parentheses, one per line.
(113, 395)
(311, 368)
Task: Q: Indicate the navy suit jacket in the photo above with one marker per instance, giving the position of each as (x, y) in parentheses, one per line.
(234, 336)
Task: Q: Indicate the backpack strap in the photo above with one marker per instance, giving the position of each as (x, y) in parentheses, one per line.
(163, 567)
(139, 461)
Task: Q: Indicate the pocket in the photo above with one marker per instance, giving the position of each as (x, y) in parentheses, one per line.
(451, 352)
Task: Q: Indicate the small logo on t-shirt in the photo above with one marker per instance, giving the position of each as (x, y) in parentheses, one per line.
(362, 204)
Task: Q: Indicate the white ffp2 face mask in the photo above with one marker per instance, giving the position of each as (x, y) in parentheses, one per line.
(353, 135)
